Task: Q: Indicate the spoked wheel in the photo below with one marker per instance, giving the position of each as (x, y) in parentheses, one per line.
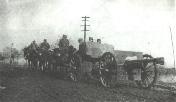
(104, 79)
(74, 68)
(107, 64)
(148, 74)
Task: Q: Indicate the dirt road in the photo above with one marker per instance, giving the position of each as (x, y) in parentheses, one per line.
(28, 86)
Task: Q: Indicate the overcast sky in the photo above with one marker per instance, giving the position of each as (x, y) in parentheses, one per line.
(132, 25)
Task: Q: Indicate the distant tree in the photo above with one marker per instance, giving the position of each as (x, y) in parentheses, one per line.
(7, 49)
(2, 57)
(15, 52)
(12, 51)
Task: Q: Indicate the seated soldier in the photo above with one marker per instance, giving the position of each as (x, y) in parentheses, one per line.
(44, 45)
(99, 41)
(64, 43)
(91, 39)
(33, 46)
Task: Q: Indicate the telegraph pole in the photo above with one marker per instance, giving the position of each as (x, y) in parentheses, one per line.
(149, 47)
(11, 53)
(172, 46)
(85, 26)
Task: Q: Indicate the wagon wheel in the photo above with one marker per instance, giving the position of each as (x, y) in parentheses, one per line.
(74, 67)
(148, 74)
(107, 64)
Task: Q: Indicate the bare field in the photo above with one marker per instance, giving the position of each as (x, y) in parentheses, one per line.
(23, 85)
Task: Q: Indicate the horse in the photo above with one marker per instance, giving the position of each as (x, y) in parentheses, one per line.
(26, 56)
(43, 56)
(31, 57)
(60, 57)
(34, 58)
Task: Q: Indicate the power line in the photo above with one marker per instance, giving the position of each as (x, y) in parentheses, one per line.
(85, 26)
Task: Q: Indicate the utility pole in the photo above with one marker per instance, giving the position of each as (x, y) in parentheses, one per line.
(172, 46)
(11, 53)
(85, 26)
(149, 47)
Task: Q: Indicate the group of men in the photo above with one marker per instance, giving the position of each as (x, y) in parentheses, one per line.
(63, 44)
(92, 40)
(80, 40)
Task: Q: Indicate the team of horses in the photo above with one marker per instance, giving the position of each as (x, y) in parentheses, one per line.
(43, 60)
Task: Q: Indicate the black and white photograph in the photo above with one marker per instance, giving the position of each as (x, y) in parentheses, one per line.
(87, 50)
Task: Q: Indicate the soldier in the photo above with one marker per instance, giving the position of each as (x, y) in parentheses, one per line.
(99, 41)
(82, 47)
(80, 41)
(64, 42)
(33, 46)
(44, 45)
(91, 39)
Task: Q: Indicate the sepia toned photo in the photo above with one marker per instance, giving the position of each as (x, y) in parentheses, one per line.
(87, 51)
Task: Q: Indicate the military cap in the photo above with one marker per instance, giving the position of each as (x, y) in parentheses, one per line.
(64, 36)
(80, 39)
(98, 40)
(91, 39)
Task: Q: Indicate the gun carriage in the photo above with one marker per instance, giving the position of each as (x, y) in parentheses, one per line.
(101, 62)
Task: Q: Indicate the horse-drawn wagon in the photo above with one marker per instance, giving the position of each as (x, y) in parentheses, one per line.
(99, 61)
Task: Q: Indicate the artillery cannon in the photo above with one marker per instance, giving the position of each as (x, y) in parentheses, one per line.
(145, 69)
(100, 62)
